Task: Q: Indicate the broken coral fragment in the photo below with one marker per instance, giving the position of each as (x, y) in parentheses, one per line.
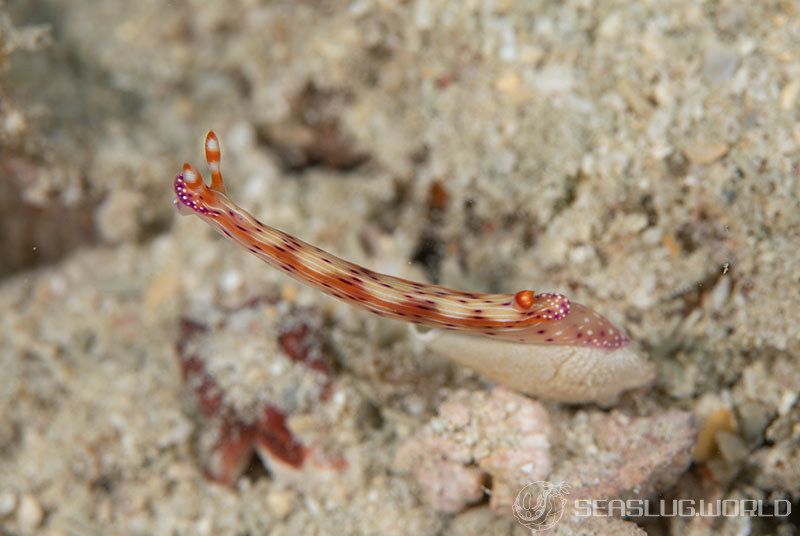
(618, 456)
(477, 435)
(506, 441)
(248, 372)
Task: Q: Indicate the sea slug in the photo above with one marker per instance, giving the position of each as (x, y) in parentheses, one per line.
(539, 343)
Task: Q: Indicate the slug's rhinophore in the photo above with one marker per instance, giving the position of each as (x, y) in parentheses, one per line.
(538, 343)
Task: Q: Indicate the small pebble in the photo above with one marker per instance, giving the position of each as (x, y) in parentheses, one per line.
(508, 83)
(203, 526)
(14, 124)
(634, 98)
(787, 402)
(720, 64)
(722, 420)
(789, 94)
(731, 446)
(703, 153)
(754, 419)
(29, 514)
(720, 293)
(232, 280)
(8, 502)
(281, 503)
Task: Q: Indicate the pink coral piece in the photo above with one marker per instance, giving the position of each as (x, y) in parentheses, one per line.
(239, 435)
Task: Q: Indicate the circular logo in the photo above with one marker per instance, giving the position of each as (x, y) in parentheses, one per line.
(540, 505)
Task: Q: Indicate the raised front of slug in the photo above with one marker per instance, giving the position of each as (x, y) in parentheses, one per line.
(525, 319)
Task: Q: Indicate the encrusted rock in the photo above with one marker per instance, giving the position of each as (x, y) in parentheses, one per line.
(478, 434)
(628, 457)
(505, 438)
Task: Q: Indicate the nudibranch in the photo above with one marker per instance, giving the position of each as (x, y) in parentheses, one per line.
(539, 343)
